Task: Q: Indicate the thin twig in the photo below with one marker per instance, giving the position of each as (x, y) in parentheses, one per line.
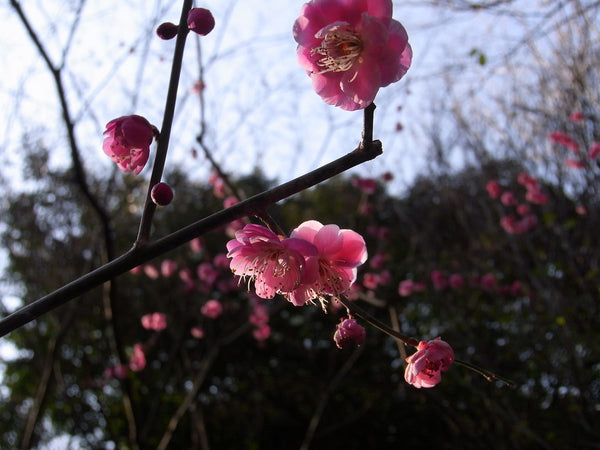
(165, 131)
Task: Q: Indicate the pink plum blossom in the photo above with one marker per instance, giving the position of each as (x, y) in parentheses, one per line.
(594, 150)
(576, 116)
(127, 142)
(137, 361)
(537, 197)
(151, 271)
(425, 367)
(560, 138)
(334, 268)
(154, 321)
(168, 267)
(348, 331)
(212, 309)
(493, 188)
(530, 183)
(262, 333)
(350, 49)
(197, 332)
(456, 281)
(439, 280)
(573, 163)
(276, 264)
(508, 198)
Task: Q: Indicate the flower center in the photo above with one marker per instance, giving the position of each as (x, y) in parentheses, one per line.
(341, 47)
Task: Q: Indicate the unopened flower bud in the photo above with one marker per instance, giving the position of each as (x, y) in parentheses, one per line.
(167, 30)
(161, 194)
(348, 331)
(200, 21)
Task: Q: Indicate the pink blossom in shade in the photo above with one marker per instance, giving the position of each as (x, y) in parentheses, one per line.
(594, 150)
(488, 282)
(387, 177)
(370, 280)
(136, 270)
(334, 268)
(530, 183)
(137, 361)
(367, 185)
(512, 225)
(537, 197)
(221, 261)
(493, 188)
(275, 263)
(349, 332)
(405, 288)
(377, 261)
(385, 277)
(230, 201)
(197, 332)
(154, 321)
(207, 273)
(197, 245)
(262, 333)
(574, 163)
(168, 267)
(259, 316)
(576, 116)
(581, 210)
(151, 271)
(350, 49)
(508, 198)
(425, 367)
(560, 138)
(439, 280)
(456, 281)
(523, 209)
(119, 372)
(212, 309)
(127, 142)
(516, 288)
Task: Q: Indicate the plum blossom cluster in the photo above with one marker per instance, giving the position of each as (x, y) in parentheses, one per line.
(350, 49)
(315, 261)
(522, 219)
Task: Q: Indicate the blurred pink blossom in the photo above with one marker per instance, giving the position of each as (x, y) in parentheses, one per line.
(350, 49)
(560, 138)
(137, 361)
(573, 163)
(439, 280)
(456, 281)
(493, 188)
(154, 321)
(537, 197)
(212, 309)
(576, 116)
(348, 331)
(261, 333)
(197, 332)
(127, 142)
(594, 150)
(425, 367)
(168, 267)
(488, 282)
(508, 198)
(207, 273)
(151, 271)
(530, 183)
